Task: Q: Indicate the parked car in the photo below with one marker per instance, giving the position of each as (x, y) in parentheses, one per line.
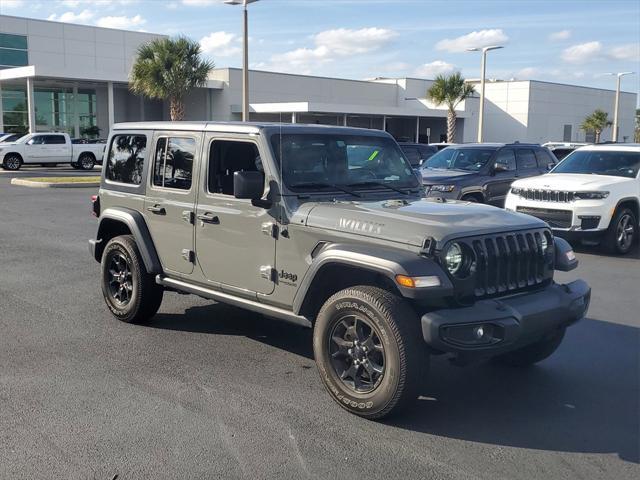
(49, 149)
(90, 141)
(290, 222)
(417, 153)
(482, 172)
(441, 145)
(10, 137)
(562, 149)
(592, 195)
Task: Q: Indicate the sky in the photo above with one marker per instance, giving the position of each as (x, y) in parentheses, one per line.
(568, 41)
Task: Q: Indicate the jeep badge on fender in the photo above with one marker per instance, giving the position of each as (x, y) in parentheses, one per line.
(183, 206)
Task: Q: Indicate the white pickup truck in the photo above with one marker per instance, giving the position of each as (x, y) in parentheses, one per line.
(49, 149)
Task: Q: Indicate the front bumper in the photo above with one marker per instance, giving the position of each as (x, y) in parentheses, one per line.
(506, 323)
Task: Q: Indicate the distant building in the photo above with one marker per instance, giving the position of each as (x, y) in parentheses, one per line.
(64, 77)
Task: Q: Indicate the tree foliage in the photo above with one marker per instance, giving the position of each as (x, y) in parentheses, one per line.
(167, 69)
(450, 91)
(596, 122)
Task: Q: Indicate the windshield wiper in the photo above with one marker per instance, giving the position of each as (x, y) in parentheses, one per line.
(324, 185)
(382, 184)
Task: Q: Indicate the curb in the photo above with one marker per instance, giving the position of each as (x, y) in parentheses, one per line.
(23, 182)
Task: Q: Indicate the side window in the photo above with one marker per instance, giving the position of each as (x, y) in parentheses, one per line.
(526, 159)
(413, 155)
(126, 159)
(507, 158)
(173, 163)
(37, 140)
(53, 139)
(227, 157)
(544, 158)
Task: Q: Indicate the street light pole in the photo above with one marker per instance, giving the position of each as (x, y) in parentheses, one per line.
(616, 108)
(483, 73)
(245, 54)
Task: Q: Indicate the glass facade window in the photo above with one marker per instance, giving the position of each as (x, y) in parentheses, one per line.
(13, 51)
(54, 108)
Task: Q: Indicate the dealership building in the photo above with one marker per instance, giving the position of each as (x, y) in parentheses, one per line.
(64, 77)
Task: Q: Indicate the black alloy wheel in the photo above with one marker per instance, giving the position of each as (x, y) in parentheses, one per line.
(357, 354)
(120, 281)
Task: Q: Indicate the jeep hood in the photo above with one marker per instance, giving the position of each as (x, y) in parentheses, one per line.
(574, 182)
(411, 221)
(435, 175)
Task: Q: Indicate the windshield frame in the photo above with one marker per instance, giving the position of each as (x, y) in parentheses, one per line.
(579, 152)
(425, 165)
(413, 188)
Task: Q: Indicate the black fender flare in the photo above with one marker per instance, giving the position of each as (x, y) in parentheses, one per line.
(138, 227)
(386, 261)
(473, 190)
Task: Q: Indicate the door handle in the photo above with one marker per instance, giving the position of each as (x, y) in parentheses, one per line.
(157, 209)
(208, 218)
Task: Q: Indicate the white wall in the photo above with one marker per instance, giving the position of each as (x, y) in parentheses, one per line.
(63, 50)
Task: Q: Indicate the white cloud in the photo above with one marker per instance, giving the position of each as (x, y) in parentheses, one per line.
(559, 36)
(478, 39)
(200, 3)
(70, 17)
(630, 51)
(527, 73)
(433, 69)
(11, 4)
(121, 22)
(582, 53)
(329, 45)
(220, 44)
(101, 3)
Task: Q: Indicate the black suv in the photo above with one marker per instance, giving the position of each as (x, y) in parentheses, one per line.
(417, 153)
(483, 172)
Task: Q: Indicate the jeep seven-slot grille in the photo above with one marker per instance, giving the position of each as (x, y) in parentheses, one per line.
(547, 195)
(507, 263)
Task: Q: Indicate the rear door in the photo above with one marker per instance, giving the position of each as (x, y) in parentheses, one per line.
(499, 183)
(170, 201)
(57, 149)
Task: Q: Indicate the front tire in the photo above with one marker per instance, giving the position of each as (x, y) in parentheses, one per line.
(622, 232)
(368, 347)
(534, 353)
(12, 162)
(129, 291)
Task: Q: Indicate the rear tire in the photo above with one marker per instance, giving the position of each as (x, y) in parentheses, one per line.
(129, 291)
(368, 347)
(622, 233)
(534, 353)
(86, 161)
(12, 162)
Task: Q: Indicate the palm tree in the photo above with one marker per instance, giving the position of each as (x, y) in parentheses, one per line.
(167, 69)
(450, 91)
(596, 122)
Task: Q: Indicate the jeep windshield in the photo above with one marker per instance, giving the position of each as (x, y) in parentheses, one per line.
(597, 162)
(347, 163)
(454, 158)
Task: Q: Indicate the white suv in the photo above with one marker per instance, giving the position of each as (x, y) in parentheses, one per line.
(593, 195)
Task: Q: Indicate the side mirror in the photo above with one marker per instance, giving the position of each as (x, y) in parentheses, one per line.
(550, 165)
(248, 185)
(499, 167)
(30, 142)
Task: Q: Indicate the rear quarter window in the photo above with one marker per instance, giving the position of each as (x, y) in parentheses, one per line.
(126, 157)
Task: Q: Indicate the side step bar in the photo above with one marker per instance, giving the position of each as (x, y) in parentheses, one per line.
(267, 310)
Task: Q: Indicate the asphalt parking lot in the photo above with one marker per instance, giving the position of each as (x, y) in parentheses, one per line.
(210, 391)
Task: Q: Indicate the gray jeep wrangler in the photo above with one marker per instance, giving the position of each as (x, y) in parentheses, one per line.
(327, 227)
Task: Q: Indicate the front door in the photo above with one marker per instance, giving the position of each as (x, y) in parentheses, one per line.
(35, 148)
(235, 240)
(499, 183)
(170, 199)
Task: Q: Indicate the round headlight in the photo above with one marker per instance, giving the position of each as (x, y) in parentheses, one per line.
(454, 258)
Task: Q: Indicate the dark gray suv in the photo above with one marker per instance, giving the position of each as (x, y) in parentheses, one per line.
(483, 172)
